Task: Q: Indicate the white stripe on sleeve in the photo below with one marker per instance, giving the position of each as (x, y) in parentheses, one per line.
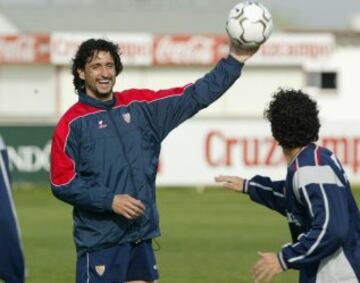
(323, 229)
(307, 199)
(265, 188)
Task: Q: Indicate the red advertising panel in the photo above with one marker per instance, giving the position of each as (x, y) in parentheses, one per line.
(295, 48)
(244, 147)
(144, 49)
(25, 48)
(189, 49)
(135, 48)
(280, 49)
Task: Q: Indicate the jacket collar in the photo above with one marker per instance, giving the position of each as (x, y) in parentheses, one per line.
(84, 98)
(310, 145)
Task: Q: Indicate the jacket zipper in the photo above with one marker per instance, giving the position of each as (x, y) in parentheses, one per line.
(135, 222)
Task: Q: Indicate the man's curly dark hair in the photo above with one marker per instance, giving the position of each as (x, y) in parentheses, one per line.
(294, 120)
(86, 52)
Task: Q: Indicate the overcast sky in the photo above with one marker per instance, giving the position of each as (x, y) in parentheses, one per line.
(317, 13)
(187, 15)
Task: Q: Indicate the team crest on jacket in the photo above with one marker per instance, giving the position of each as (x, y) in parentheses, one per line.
(102, 125)
(126, 116)
(100, 269)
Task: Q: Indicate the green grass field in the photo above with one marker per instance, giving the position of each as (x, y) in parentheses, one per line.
(211, 236)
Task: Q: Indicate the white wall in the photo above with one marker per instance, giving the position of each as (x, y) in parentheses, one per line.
(67, 95)
(27, 91)
(31, 91)
(345, 104)
(251, 93)
(247, 97)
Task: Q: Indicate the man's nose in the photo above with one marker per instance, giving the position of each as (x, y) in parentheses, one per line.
(104, 71)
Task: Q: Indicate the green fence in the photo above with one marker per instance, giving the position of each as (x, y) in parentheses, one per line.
(29, 151)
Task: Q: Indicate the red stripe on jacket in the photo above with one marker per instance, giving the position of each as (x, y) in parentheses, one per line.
(317, 156)
(62, 170)
(129, 96)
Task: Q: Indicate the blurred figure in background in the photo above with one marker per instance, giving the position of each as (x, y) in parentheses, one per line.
(12, 268)
(104, 159)
(315, 197)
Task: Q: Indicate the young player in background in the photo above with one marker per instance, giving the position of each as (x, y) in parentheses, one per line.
(315, 197)
(104, 159)
(12, 267)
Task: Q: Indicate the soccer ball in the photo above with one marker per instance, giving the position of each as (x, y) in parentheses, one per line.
(249, 24)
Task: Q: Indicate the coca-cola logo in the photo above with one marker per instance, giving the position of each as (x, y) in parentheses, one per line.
(18, 49)
(185, 50)
(133, 51)
(24, 49)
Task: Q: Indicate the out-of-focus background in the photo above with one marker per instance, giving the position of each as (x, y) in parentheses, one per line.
(208, 235)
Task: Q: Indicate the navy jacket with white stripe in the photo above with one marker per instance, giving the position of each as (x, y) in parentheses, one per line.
(102, 149)
(12, 266)
(323, 217)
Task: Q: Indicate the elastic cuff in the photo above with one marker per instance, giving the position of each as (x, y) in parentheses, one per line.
(245, 188)
(233, 60)
(282, 261)
(108, 202)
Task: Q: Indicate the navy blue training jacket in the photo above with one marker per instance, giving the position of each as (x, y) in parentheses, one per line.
(12, 266)
(323, 217)
(100, 149)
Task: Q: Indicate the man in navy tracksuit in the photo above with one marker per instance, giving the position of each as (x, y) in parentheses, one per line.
(104, 158)
(12, 267)
(315, 197)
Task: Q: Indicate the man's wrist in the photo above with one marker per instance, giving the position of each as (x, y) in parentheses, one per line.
(109, 199)
(238, 59)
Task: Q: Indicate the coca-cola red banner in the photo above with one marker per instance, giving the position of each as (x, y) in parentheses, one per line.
(25, 48)
(189, 49)
(144, 49)
(135, 48)
(280, 49)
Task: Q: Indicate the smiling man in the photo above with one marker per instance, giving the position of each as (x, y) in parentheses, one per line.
(99, 75)
(104, 159)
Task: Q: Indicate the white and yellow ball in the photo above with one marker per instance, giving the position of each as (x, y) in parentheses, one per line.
(249, 24)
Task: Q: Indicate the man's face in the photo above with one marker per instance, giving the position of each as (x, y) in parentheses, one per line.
(99, 75)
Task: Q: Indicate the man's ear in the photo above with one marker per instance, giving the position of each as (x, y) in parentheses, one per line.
(81, 74)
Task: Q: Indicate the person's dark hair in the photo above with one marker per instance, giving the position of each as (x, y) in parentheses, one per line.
(293, 116)
(86, 52)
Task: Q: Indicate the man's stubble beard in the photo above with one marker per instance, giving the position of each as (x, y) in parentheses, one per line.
(103, 95)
